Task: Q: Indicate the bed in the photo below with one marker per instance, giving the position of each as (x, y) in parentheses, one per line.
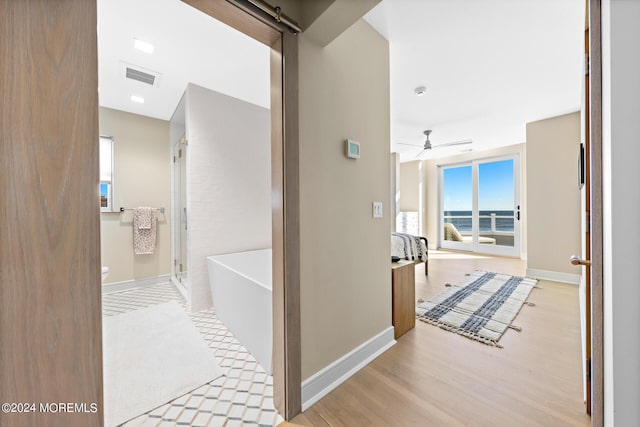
(410, 247)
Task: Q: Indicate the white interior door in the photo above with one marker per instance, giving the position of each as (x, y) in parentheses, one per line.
(480, 206)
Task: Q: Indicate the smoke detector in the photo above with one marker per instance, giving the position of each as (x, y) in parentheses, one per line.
(420, 90)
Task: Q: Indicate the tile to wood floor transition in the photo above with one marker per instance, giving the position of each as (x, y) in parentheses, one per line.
(436, 378)
(244, 396)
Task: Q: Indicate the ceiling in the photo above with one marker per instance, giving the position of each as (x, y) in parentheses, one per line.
(189, 47)
(490, 66)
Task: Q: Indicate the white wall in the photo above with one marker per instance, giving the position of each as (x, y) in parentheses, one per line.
(141, 178)
(553, 197)
(394, 206)
(345, 253)
(410, 186)
(621, 151)
(228, 183)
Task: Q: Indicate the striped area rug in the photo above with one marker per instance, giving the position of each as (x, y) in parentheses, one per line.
(482, 307)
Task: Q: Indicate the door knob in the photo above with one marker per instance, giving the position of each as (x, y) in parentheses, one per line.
(575, 260)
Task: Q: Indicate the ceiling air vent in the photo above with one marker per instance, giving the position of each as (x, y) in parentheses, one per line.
(140, 76)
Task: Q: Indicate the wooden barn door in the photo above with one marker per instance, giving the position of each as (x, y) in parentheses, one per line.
(50, 287)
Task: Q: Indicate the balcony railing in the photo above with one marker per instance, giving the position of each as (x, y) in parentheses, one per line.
(495, 228)
(492, 223)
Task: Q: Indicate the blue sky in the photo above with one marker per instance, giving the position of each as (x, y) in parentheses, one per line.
(495, 183)
(457, 189)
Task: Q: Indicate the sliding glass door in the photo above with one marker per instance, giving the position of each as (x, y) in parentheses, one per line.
(457, 212)
(498, 208)
(480, 206)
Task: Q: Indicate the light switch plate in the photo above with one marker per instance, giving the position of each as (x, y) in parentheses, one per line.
(377, 209)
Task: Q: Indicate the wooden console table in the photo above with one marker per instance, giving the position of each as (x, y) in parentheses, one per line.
(403, 297)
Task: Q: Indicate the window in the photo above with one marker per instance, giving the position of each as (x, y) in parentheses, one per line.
(408, 223)
(106, 174)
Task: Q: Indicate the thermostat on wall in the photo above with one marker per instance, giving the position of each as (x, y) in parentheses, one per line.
(352, 149)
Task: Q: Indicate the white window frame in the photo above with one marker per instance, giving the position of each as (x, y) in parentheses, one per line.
(110, 181)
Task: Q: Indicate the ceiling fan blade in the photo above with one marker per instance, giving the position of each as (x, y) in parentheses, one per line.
(412, 145)
(421, 153)
(451, 144)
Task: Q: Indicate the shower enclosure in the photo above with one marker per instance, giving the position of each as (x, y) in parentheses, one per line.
(179, 200)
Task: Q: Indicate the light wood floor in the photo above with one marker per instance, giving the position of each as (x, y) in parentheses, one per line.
(436, 378)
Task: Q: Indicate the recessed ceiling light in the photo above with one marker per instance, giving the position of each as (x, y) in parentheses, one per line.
(420, 90)
(138, 99)
(143, 46)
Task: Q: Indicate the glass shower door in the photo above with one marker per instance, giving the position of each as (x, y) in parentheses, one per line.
(180, 213)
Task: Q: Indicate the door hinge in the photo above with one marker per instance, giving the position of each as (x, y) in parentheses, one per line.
(174, 159)
(586, 64)
(180, 267)
(587, 373)
(180, 153)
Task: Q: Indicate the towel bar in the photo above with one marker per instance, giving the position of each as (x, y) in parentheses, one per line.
(130, 209)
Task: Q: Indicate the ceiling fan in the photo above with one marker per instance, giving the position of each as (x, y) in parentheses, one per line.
(427, 144)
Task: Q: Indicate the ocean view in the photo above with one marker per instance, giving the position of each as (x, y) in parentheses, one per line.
(462, 220)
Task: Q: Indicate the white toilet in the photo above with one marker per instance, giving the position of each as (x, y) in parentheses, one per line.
(105, 272)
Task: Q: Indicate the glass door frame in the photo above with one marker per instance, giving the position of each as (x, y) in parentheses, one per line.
(474, 245)
(178, 215)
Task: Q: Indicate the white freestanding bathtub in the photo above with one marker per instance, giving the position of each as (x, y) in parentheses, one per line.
(241, 291)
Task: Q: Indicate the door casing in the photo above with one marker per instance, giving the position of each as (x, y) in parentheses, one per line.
(596, 211)
(244, 17)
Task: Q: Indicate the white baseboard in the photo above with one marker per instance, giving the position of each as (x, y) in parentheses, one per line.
(554, 276)
(108, 288)
(322, 382)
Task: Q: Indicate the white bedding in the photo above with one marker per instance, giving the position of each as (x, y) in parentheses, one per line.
(406, 246)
